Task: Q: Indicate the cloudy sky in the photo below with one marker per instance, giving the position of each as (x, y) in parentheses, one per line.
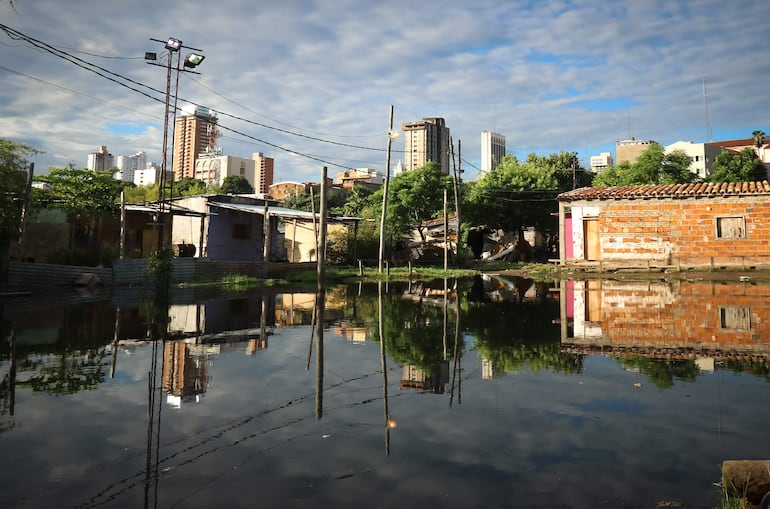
(310, 83)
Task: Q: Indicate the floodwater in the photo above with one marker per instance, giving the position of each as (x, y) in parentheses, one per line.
(577, 394)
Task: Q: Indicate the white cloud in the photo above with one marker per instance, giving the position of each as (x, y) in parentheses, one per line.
(331, 70)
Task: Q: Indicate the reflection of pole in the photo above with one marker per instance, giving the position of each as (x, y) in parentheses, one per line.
(115, 339)
(385, 193)
(319, 356)
(446, 306)
(12, 373)
(384, 367)
(312, 332)
(457, 367)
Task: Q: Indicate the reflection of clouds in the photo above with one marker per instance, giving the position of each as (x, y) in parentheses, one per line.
(520, 440)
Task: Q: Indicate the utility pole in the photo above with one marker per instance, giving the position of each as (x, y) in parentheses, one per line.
(391, 136)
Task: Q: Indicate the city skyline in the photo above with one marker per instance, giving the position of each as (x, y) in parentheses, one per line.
(549, 76)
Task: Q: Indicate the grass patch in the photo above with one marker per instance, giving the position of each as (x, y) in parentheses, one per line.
(372, 274)
(232, 281)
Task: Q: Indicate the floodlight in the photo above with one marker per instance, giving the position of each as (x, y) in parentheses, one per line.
(173, 44)
(393, 134)
(148, 55)
(192, 60)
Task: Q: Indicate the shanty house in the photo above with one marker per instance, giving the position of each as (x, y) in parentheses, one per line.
(681, 225)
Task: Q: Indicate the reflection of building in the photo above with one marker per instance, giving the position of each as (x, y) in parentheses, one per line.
(413, 377)
(488, 369)
(692, 319)
(185, 373)
(350, 332)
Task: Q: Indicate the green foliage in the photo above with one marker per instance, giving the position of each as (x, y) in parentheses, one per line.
(516, 194)
(235, 184)
(357, 204)
(13, 186)
(653, 166)
(190, 187)
(142, 194)
(80, 193)
(413, 197)
(744, 166)
(341, 249)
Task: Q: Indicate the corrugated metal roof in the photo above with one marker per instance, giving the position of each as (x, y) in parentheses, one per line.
(700, 190)
(276, 211)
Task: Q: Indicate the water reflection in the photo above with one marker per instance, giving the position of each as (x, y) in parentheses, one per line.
(669, 329)
(516, 383)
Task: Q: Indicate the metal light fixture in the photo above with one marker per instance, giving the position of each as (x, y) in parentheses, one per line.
(173, 44)
(192, 60)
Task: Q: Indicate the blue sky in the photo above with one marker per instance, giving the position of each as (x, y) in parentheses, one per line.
(292, 76)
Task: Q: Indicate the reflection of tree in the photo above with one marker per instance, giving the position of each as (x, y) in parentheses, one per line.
(662, 372)
(65, 373)
(536, 357)
(757, 367)
(518, 333)
(414, 333)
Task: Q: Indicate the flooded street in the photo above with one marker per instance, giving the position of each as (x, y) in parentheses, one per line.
(486, 392)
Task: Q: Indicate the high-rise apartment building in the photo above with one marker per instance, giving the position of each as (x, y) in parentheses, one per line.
(263, 172)
(100, 160)
(195, 133)
(492, 150)
(426, 140)
(129, 165)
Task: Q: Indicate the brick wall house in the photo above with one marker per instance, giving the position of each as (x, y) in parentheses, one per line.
(683, 225)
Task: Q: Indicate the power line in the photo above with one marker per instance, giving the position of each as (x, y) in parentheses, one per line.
(106, 73)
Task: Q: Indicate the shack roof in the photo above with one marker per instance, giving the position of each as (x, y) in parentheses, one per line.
(700, 190)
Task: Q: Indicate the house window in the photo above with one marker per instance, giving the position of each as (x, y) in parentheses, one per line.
(241, 231)
(735, 318)
(731, 228)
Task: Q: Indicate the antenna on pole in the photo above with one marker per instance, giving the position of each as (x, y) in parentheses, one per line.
(706, 107)
(629, 124)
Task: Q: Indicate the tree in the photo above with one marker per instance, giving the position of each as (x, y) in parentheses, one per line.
(83, 195)
(759, 138)
(516, 194)
(414, 197)
(235, 184)
(744, 166)
(13, 162)
(653, 166)
(190, 187)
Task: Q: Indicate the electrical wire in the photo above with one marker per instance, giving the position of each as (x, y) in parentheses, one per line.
(111, 76)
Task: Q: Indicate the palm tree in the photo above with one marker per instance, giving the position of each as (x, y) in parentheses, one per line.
(759, 140)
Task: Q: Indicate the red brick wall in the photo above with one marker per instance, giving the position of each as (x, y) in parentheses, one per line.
(683, 229)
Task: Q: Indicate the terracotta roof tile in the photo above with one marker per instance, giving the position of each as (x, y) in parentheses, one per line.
(699, 190)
